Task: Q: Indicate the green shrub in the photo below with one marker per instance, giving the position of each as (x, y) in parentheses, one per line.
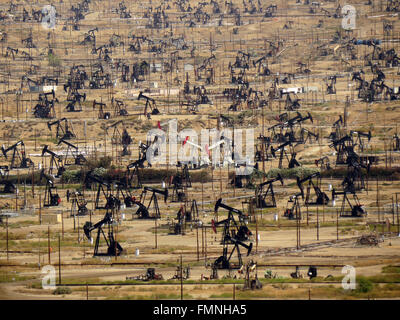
(62, 290)
(54, 61)
(380, 172)
(71, 176)
(300, 172)
(364, 285)
(103, 162)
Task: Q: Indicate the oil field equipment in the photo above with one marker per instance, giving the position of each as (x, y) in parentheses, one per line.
(180, 181)
(113, 247)
(45, 108)
(9, 187)
(250, 283)
(312, 272)
(261, 152)
(78, 157)
(321, 197)
(143, 211)
(133, 176)
(266, 199)
(292, 161)
(125, 194)
(235, 233)
(148, 276)
(356, 208)
(150, 104)
(62, 132)
(56, 161)
(101, 114)
(103, 188)
(119, 107)
(294, 212)
(323, 163)
(181, 273)
(395, 145)
(78, 204)
(18, 158)
(51, 197)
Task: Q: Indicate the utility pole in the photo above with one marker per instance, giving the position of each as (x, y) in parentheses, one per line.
(181, 269)
(155, 226)
(48, 243)
(59, 259)
(7, 236)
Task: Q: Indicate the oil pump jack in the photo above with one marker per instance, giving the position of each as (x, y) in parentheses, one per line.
(321, 197)
(235, 233)
(56, 161)
(262, 66)
(18, 159)
(119, 107)
(78, 157)
(183, 216)
(356, 208)
(45, 108)
(51, 197)
(360, 136)
(117, 138)
(9, 187)
(331, 85)
(143, 211)
(337, 126)
(262, 147)
(133, 177)
(124, 192)
(342, 147)
(62, 132)
(323, 163)
(78, 204)
(150, 104)
(103, 188)
(180, 181)
(292, 162)
(113, 247)
(102, 106)
(294, 212)
(261, 195)
(354, 179)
